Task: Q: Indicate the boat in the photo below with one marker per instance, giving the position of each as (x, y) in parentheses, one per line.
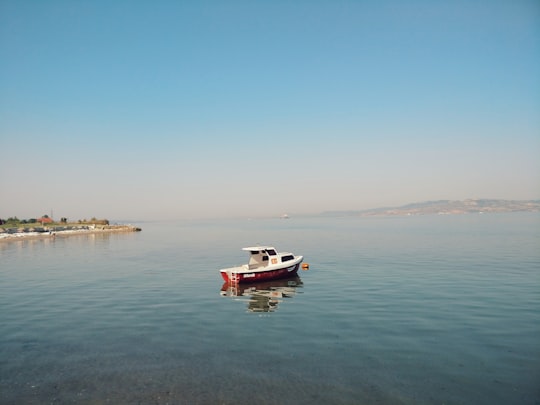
(265, 263)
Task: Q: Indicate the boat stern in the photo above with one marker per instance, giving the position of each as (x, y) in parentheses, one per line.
(233, 274)
(226, 276)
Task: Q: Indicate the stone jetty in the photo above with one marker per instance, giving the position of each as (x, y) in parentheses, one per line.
(21, 233)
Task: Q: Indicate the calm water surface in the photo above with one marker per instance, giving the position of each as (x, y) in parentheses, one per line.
(415, 310)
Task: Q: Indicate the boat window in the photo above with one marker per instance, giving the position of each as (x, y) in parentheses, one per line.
(271, 252)
(265, 258)
(254, 252)
(287, 258)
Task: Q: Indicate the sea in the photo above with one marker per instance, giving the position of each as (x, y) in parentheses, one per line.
(435, 309)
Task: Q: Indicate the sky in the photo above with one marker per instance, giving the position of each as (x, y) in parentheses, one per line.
(147, 110)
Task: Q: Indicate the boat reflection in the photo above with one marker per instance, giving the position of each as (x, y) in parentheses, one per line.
(263, 296)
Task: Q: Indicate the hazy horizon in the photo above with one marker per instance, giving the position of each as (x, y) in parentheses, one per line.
(269, 215)
(163, 110)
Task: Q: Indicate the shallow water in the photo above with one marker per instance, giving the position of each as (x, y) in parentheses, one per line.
(408, 310)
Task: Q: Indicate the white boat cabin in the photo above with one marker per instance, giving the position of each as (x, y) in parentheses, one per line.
(263, 256)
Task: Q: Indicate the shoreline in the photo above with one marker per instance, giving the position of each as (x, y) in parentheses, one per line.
(53, 232)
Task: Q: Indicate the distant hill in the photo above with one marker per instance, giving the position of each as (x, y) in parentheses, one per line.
(447, 207)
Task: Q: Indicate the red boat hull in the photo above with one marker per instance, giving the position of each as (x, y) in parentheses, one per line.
(256, 276)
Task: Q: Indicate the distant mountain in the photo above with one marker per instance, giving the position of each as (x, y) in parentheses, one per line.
(447, 207)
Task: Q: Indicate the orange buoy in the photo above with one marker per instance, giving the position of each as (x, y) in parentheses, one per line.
(305, 266)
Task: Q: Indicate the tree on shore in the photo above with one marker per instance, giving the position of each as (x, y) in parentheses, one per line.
(15, 222)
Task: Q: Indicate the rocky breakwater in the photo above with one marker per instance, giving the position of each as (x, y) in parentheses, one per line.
(11, 234)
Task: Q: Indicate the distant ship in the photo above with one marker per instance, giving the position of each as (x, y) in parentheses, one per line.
(284, 216)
